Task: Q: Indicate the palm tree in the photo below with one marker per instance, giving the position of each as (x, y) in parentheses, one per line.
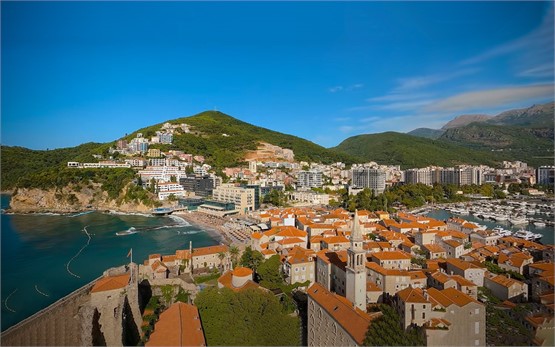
(221, 256)
(234, 251)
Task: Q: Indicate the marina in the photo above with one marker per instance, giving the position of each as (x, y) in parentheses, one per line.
(532, 221)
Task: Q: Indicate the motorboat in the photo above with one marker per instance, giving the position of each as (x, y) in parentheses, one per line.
(129, 231)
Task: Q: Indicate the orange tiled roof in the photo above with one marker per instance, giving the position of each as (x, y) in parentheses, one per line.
(110, 283)
(242, 271)
(183, 254)
(461, 264)
(354, 321)
(434, 248)
(336, 239)
(505, 281)
(372, 287)
(411, 294)
(179, 325)
(452, 243)
(291, 240)
(210, 250)
(450, 296)
(226, 278)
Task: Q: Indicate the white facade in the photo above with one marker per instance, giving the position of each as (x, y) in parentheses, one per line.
(365, 177)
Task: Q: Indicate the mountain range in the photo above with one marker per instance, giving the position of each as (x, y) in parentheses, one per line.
(524, 134)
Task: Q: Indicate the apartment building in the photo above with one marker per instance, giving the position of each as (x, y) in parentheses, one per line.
(243, 198)
(365, 177)
(309, 179)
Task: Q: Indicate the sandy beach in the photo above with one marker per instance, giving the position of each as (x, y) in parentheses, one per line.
(212, 224)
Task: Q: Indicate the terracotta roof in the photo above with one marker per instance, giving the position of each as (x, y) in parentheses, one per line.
(226, 278)
(452, 243)
(300, 255)
(463, 281)
(268, 252)
(154, 256)
(441, 277)
(291, 240)
(183, 254)
(354, 321)
(335, 239)
(179, 325)
(434, 248)
(110, 283)
(242, 272)
(461, 264)
(435, 323)
(209, 250)
(544, 266)
(256, 235)
(411, 294)
(158, 266)
(505, 281)
(539, 319)
(450, 296)
(372, 287)
(386, 272)
(168, 258)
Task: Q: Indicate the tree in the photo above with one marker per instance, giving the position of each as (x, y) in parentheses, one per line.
(251, 317)
(234, 252)
(251, 259)
(221, 256)
(269, 273)
(386, 331)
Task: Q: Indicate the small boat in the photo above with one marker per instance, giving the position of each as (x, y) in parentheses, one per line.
(527, 235)
(539, 224)
(129, 231)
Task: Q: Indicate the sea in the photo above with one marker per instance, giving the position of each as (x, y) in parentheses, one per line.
(47, 256)
(548, 232)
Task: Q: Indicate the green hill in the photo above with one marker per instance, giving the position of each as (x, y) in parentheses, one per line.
(18, 162)
(426, 133)
(531, 145)
(412, 152)
(220, 150)
(206, 139)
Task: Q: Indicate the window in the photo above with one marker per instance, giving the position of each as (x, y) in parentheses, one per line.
(476, 327)
(476, 342)
(476, 311)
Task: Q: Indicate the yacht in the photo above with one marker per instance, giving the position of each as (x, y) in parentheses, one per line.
(501, 232)
(527, 235)
(539, 224)
(518, 220)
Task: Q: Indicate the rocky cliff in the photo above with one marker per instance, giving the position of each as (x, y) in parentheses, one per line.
(71, 199)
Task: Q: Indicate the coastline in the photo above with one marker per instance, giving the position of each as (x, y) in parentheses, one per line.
(211, 224)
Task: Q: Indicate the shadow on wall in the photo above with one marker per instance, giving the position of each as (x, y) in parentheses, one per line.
(130, 332)
(97, 335)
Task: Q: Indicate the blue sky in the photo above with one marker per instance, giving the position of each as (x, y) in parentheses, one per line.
(75, 72)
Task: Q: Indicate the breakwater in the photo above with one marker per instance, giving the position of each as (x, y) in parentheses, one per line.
(56, 325)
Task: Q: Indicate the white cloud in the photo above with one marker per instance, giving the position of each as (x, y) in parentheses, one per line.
(335, 89)
(347, 88)
(398, 97)
(545, 70)
(492, 98)
(418, 82)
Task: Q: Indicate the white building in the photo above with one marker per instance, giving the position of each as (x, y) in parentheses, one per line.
(309, 179)
(365, 177)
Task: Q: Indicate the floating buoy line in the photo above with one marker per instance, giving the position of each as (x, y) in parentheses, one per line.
(6, 301)
(78, 253)
(37, 289)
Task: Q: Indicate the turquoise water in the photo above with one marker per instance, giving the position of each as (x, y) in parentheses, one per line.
(547, 231)
(36, 250)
